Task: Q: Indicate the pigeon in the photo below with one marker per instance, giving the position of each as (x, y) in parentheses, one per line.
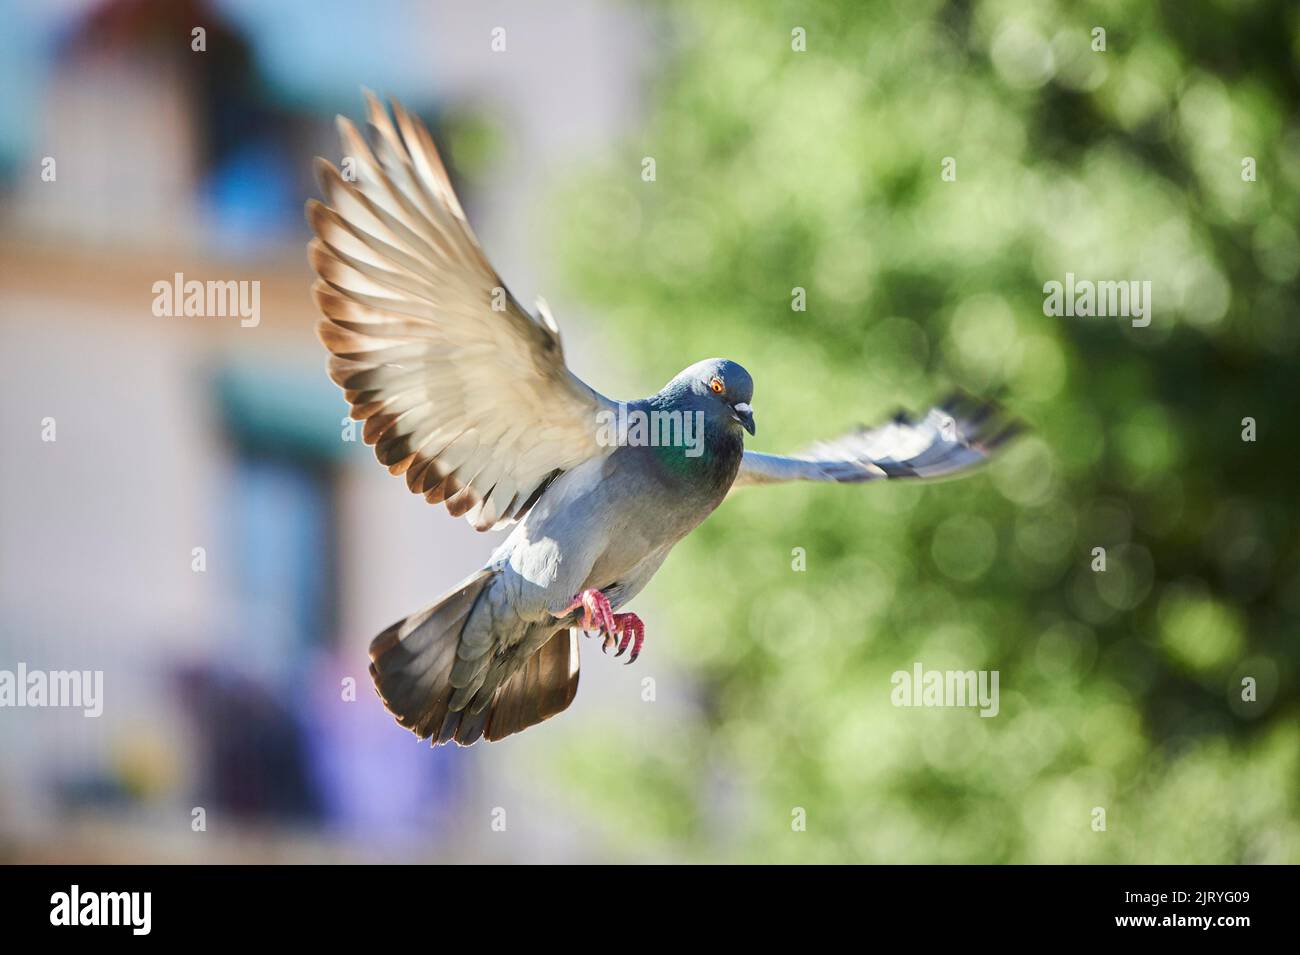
(466, 394)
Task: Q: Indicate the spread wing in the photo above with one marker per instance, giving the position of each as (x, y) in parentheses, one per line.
(952, 438)
(460, 388)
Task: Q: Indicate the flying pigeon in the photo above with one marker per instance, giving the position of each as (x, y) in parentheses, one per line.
(467, 395)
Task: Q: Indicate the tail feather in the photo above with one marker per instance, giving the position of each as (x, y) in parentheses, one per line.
(544, 686)
(413, 661)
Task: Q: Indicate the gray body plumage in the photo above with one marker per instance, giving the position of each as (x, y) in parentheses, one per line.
(466, 394)
(606, 525)
(609, 523)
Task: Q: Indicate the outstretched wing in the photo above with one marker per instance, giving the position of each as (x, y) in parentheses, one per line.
(460, 388)
(950, 439)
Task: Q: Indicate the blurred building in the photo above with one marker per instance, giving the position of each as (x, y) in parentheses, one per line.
(201, 528)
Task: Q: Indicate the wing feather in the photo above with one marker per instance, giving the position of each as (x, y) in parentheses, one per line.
(952, 438)
(461, 390)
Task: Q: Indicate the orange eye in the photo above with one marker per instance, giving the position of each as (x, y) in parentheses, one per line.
(717, 386)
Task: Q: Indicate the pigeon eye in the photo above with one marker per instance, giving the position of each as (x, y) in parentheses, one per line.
(716, 386)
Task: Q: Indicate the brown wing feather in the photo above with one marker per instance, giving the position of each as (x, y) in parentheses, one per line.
(459, 387)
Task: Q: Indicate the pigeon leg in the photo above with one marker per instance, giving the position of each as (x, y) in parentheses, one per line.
(633, 631)
(597, 614)
(625, 629)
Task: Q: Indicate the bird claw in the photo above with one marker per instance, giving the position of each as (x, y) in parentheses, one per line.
(597, 614)
(632, 631)
(624, 629)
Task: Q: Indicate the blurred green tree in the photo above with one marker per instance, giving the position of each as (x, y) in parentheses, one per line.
(920, 171)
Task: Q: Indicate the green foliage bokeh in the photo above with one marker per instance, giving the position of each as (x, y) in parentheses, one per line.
(778, 169)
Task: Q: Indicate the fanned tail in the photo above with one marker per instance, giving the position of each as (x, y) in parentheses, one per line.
(412, 663)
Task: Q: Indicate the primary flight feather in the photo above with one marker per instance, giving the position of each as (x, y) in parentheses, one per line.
(467, 395)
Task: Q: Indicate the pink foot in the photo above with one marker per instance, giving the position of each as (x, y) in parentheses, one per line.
(597, 614)
(625, 629)
(633, 631)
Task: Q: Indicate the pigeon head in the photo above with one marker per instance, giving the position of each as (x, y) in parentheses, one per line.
(719, 387)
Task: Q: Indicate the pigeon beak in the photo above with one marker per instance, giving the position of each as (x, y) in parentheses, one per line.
(745, 415)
